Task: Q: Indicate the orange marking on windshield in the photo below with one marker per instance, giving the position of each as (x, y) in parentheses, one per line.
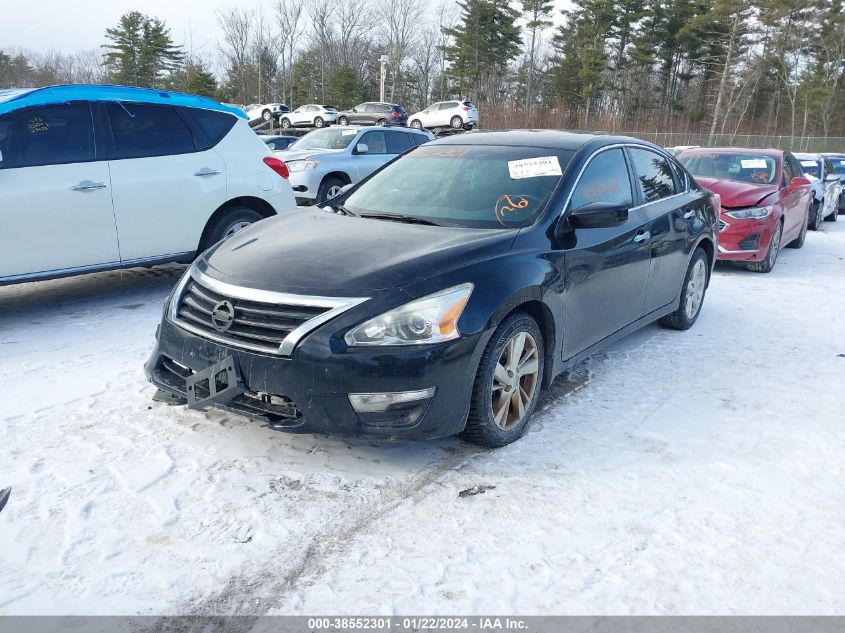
(505, 204)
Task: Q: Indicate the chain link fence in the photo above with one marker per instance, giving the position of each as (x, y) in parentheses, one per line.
(791, 143)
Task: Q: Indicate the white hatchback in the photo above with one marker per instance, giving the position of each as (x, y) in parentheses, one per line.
(455, 114)
(102, 177)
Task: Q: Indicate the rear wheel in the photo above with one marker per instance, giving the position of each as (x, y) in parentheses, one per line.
(507, 384)
(768, 262)
(343, 120)
(286, 123)
(416, 124)
(692, 294)
(231, 221)
(798, 242)
(381, 122)
(457, 122)
(266, 115)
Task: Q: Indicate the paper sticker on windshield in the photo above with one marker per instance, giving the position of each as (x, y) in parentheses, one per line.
(809, 163)
(348, 132)
(533, 167)
(754, 163)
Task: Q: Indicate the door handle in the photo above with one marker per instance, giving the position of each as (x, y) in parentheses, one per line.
(87, 185)
(689, 214)
(205, 171)
(642, 237)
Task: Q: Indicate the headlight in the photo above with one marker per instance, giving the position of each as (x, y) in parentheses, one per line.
(301, 165)
(757, 213)
(430, 319)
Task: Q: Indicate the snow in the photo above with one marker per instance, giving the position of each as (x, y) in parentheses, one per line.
(694, 472)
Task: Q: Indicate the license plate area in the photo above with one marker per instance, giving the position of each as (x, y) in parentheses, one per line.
(216, 384)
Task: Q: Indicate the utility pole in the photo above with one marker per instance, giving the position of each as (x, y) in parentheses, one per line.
(383, 60)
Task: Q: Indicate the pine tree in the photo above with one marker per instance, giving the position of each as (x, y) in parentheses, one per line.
(141, 51)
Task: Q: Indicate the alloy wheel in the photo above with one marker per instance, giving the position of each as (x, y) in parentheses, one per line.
(774, 247)
(695, 289)
(235, 228)
(333, 192)
(515, 380)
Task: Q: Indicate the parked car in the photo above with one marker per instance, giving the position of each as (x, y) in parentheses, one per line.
(309, 115)
(455, 114)
(826, 188)
(838, 161)
(324, 161)
(680, 148)
(765, 201)
(374, 113)
(277, 143)
(101, 177)
(439, 295)
(258, 112)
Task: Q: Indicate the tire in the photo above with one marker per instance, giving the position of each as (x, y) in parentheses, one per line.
(381, 122)
(457, 122)
(266, 115)
(416, 124)
(798, 242)
(481, 427)
(343, 120)
(767, 264)
(318, 122)
(325, 192)
(230, 222)
(834, 215)
(816, 211)
(692, 293)
(285, 123)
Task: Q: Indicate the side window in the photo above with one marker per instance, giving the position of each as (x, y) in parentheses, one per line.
(141, 130)
(374, 142)
(385, 108)
(212, 125)
(370, 107)
(47, 135)
(604, 180)
(788, 171)
(654, 175)
(398, 142)
(419, 139)
(828, 168)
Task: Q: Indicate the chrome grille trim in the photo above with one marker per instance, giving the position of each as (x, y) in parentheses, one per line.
(722, 225)
(302, 323)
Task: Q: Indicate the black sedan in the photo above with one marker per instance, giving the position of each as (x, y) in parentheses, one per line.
(439, 295)
(279, 142)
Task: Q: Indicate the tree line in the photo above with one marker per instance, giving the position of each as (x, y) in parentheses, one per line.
(710, 66)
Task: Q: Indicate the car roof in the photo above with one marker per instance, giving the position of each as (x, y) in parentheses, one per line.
(85, 92)
(551, 139)
(753, 151)
(808, 155)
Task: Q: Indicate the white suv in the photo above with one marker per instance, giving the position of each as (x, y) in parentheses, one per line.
(454, 114)
(310, 115)
(101, 177)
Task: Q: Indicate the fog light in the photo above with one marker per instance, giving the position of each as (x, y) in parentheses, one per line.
(379, 402)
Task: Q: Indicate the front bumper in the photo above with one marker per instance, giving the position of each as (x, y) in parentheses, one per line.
(745, 240)
(305, 184)
(309, 392)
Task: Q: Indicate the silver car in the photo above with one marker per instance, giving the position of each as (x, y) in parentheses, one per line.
(324, 161)
(826, 188)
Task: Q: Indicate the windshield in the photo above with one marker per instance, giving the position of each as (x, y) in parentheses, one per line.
(838, 165)
(750, 168)
(326, 139)
(471, 186)
(809, 166)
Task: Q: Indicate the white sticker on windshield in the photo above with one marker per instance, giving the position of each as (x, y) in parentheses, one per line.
(348, 132)
(754, 163)
(842, 162)
(808, 163)
(533, 167)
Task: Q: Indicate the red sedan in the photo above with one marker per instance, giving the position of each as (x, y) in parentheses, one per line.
(765, 201)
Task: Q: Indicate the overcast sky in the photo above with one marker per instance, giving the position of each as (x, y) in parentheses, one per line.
(70, 26)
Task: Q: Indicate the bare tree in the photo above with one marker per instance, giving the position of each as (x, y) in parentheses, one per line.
(290, 27)
(236, 23)
(397, 30)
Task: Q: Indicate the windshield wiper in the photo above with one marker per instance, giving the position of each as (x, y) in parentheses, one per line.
(398, 217)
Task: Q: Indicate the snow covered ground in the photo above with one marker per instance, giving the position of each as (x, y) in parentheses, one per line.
(676, 473)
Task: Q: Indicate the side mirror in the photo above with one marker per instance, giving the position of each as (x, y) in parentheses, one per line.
(355, 109)
(799, 181)
(361, 148)
(598, 215)
(828, 178)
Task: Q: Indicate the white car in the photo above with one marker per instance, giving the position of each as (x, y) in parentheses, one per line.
(324, 161)
(455, 114)
(102, 177)
(826, 187)
(309, 115)
(264, 111)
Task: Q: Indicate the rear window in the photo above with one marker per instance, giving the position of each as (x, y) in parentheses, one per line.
(213, 125)
(469, 104)
(750, 168)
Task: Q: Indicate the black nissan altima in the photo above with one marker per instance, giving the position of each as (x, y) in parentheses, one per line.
(442, 293)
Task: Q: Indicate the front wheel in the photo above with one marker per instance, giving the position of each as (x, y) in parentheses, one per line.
(286, 123)
(507, 384)
(266, 115)
(416, 124)
(329, 188)
(457, 122)
(767, 264)
(817, 211)
(343, 120)
(692, 294)
(318, 122)
(834, 214)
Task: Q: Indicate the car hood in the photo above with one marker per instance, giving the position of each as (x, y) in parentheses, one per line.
(294, 154)
(737, 194)
(311, 251)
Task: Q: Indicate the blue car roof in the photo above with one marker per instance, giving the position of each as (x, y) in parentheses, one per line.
(11, 100)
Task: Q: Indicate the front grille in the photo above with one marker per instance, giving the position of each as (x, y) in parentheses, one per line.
(722, 225)
(256, 326)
